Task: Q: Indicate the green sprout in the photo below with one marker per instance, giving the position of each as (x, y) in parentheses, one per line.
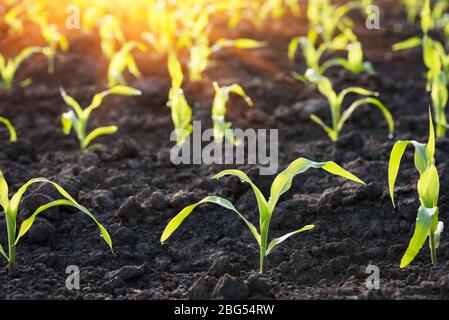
(11, 129)
(9, 67)
(111, 34)
(201, 51)
(181, 112)
(11, 207)
(437, 63)
(77, 118)
(427, 224)
(313, 54)
(329, 19)
(335, 100)
(221, 127)
(55, 41)
(281, 184)
(123, 60)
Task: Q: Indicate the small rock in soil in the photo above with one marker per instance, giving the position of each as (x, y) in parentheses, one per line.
(42, 230)
(89, 159)
(259, 287)
(130, 210)
(33, 201)
(103, 199)
(158, 201)
(230, 288)
(202, 288)
(125, 273)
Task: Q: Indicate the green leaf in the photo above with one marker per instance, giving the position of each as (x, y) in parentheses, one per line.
(430, 147)
(97, 133)
(277, 241)
(283, 182)
(26, 225)
(393, 167)
(429, 187)
(98, 98)
(67, 120)
(261, 201)
(11, 129)
(4, 193)
(407, 44)
(174, 224)
(437, 234)
(175, 70)
(422, 230)
(321, 123)
(292, 48)
(3, 253)
(72, 103)
(366, 101)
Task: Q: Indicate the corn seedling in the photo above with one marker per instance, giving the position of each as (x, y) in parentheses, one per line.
(335, 101)
(437, 63)
(9, 67)
(427, 224)
(78, 119)
(281, 184)
(111, 35)
(181, 112)
(221, 127)
(55, 41)
(11, 129)
(11, 207)
(313, 54)
(123, 60)
(329, 19)
(200, 53)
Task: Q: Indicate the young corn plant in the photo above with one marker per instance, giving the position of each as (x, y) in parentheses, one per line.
(78, 118)
(201, 51)
(55, 41)
(11, 129)
(11, 208)
(111, 35)
(329, 19)
(335, 100)
(221, 127)
(313, 54)
(281, 184)
(354, 63)
(9, 67)
(427, 223)
(181, 112)
(123, 60)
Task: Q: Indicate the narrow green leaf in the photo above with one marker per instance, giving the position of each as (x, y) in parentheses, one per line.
(11, 129)
(367, 101)
(393, 167)
(422, 230)
(437, 234)
(279, 240)
(97, 133)
(3, 253)
(407, 44)
(335, 169)
(261, 201)
(174, 224)
(72, 103)
(4, 192)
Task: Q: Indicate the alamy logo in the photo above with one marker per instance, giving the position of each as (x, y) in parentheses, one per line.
(373, 280)
(73, 280)
(257, 147)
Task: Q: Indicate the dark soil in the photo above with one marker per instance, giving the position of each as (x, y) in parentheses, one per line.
(132, 187)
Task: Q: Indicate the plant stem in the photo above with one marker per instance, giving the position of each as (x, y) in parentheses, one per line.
(11, 229)
(262, 260)
(433, 251)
